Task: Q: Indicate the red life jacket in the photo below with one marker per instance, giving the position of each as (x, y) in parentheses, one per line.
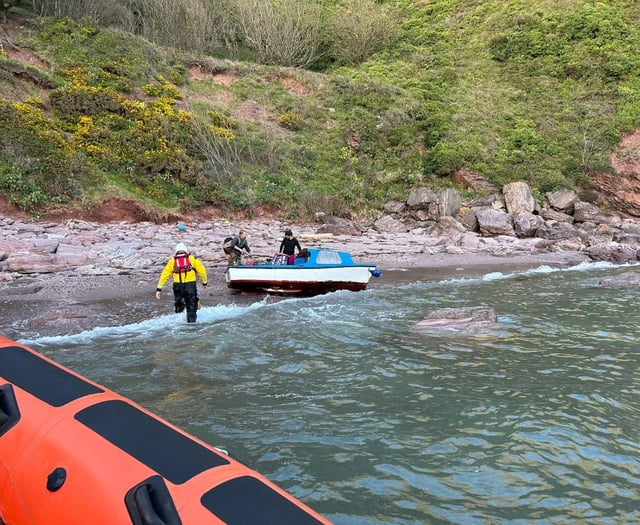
(181, 263)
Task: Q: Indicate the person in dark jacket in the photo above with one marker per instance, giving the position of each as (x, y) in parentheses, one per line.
(238, 246)
(289, 244)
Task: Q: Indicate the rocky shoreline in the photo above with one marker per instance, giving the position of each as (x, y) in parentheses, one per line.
(60, 277)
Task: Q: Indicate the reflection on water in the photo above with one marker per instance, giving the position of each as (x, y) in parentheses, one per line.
(341, 402)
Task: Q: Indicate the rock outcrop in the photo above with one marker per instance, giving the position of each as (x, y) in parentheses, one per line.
(459, 321)
(562, 220)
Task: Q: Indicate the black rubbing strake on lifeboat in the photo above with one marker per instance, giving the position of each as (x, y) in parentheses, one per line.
(230, 502)
(46, 381)
(171, 454)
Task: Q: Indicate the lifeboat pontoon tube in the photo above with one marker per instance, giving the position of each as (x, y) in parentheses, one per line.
(73, 452)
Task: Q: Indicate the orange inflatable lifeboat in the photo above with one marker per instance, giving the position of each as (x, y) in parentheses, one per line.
(74, 453)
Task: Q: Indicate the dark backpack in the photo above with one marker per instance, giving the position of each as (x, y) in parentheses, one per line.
(227, 245)
(181, 263)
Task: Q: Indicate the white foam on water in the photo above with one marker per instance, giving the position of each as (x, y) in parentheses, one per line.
(210, 315)
(151, 327)
(544, 269)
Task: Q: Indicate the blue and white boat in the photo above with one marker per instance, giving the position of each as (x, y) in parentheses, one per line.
(321, 272)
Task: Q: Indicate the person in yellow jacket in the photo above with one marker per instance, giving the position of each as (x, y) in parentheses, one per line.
(184, 267)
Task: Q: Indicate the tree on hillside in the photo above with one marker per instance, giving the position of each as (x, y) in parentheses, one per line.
(184, 24)
(359, 28)
(101, 12)
(282, 32)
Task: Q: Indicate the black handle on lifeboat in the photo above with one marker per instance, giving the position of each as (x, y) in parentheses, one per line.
(9, 412)
(150, 503)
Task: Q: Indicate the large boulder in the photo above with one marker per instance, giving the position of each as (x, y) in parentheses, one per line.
(388, 224)
(556, 231)
(562, 200)
(494, 222)
(422, 198)
(394, 207)
(447, 227)
(13, 246)
(425, 204)
(596, 233)
(128, 258)
(467, 217)
(586, 212)
(549, 214)
(339, 226)
(493, 200)
(449, 202)
(526, 224)
(518, 198)
(613, 252)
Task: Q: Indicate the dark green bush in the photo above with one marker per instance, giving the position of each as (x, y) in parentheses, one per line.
(19, 185)
(76, 101)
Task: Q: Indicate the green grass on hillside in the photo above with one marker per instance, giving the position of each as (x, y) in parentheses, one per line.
(512, 90)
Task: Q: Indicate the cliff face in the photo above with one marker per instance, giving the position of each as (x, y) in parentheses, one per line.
(622, 189)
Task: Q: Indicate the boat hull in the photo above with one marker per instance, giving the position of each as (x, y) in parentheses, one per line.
(298, 280)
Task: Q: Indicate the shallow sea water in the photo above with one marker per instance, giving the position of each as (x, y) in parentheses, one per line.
(342, 402)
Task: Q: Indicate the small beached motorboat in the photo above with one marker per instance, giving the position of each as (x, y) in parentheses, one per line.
(320, 272)
(73, 452)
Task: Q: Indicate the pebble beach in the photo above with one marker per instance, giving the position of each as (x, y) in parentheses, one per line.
(58, 278)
